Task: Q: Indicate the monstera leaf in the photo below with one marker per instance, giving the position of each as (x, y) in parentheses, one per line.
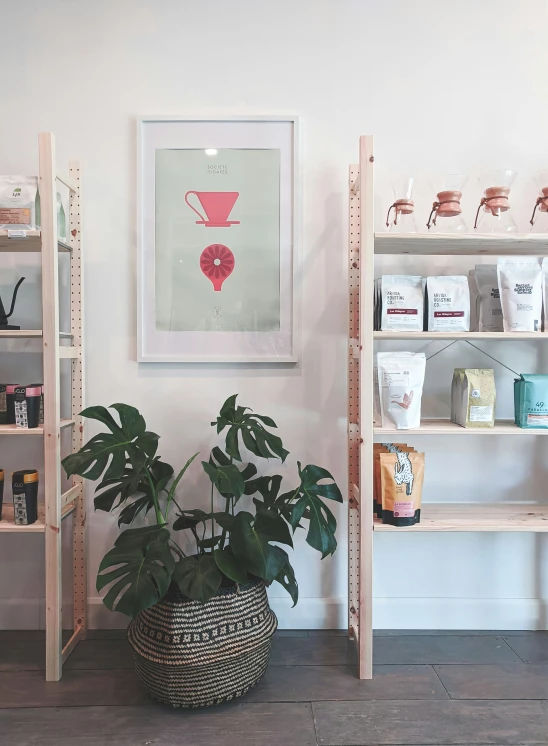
(250, 427)
(107, 454)
(198, 577)
(138, 570)
(286, 578)
(322, 524)
(250, 545)
(230, 566)
(227, 479)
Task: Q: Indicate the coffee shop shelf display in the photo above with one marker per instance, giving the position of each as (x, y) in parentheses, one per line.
(201, 625)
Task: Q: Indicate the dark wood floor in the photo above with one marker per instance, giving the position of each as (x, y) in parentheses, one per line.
(429, 688)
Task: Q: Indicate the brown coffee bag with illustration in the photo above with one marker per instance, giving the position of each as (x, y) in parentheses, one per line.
(379, 448)
(402, 477)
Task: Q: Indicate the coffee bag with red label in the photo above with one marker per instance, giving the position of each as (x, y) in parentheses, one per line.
(402, 303)
(448, 299)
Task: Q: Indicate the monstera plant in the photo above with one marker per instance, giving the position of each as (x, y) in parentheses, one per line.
(237, 540)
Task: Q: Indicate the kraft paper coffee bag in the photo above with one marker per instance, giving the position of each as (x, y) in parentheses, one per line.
(402, 477)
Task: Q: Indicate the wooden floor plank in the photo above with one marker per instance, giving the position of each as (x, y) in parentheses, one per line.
(510, 681)
(530, 648)
(438, 649)
(229, 725)
(435, 722)
(30, 689)
(318, 683)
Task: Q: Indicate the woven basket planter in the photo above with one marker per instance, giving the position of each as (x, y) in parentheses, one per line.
(189, 654)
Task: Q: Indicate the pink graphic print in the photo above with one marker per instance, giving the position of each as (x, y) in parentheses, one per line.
(217, 263)
(217, 207)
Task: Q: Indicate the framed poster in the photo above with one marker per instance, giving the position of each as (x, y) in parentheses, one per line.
(217, 217)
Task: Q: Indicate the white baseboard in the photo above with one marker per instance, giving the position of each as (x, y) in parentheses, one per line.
(330, 613)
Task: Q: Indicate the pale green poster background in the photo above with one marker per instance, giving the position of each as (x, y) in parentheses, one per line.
(249, 299)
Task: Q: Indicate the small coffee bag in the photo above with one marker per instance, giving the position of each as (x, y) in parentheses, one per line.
(520, 286)
(490, 309)
(402, 303)
(448, 299)
(402, 477)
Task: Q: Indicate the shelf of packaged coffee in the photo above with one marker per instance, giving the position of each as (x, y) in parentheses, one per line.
(469, 243)
(476, 517)
(529, 336)
(446, 427)
(13, 430)
(31, 242)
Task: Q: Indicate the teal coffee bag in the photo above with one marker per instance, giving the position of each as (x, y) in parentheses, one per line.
(531, 401)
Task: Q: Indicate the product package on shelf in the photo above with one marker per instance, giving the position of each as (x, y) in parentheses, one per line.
(448, 303)
(18, 202)
(400, 377)
(402, 477)
(402, 302)
(489, 306)
(1, 491)
(25, 496)
(27, 406)
(3, 405)
(531, 401)
(379, 448)
(520, 286)
(473, 397)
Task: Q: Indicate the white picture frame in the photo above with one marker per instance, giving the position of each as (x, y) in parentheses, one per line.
(157, 341)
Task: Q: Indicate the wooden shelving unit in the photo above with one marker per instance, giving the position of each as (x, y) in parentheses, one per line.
(57, 504)
(364, 244)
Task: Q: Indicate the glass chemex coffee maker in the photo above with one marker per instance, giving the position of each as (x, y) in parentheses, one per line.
(496, 216)
(446, 213)
(400, 217)
(539, 218)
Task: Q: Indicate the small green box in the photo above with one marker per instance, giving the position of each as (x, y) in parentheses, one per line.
(531, 401)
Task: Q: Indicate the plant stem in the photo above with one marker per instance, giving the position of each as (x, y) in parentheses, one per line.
(223, 534)
(177, 548)
(159, 516)
(212, 519)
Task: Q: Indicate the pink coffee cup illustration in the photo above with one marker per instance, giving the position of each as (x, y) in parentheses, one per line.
(217, 207)
(217, 263)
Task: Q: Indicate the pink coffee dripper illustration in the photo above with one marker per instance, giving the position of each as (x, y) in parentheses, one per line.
(217, 263)
(217, 207)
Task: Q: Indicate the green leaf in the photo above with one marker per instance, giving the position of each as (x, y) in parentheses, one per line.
(227, 479)
(198, 577)
(131, 511)
(190, 519)
(225, 520)
(212, 541)
(111, 490)
(220, 457)
(138, 570)
(251, 428)
(286, 578)
(132, 421)
(230, 566)
(267, 487)
(311, 475)
(272, 527)
(253, 550)
(107, 454)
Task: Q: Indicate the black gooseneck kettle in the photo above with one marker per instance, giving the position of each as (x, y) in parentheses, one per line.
(5, 316)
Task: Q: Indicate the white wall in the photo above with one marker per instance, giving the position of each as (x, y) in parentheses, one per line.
(443, 88)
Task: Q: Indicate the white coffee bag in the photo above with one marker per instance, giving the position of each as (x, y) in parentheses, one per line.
(520, 287)
(17, 202)
(490, 309)
(402, 303)
(448, 300)
(400, 384)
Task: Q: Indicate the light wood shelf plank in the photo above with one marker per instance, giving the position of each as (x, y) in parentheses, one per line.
(500, 336)
(477, 517)
(13, 430)
(471, 244)
(28, 334)
(8, 526)
(32, 243)
(446, 427)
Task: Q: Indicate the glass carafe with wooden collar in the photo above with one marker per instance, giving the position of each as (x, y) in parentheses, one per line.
(446, 212)
(496, 216)
(400, 217)
(539, 218)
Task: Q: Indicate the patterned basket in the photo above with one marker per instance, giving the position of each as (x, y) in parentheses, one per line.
(190, 654)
